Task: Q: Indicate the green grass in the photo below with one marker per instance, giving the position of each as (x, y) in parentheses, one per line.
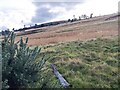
(90, 64)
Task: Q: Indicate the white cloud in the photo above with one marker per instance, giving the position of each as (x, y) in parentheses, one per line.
(102, 6)
(58, 10)
(97, 7)
(16, 13)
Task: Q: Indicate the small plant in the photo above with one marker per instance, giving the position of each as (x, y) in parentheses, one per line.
(20, 66)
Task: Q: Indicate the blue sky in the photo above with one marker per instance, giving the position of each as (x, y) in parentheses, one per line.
(17, 13)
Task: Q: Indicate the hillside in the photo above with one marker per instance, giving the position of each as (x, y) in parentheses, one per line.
(87, 29)
(85, 52)
(90, 64)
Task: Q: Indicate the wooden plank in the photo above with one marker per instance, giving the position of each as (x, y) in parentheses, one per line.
(63, 82)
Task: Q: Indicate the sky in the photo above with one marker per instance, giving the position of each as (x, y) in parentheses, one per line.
(17, 13)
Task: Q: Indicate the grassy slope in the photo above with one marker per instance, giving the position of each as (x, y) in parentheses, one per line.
(90, 64)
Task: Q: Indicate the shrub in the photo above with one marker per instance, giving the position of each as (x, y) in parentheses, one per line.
(19, 67)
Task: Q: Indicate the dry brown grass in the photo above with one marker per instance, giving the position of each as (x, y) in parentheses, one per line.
(74, 31)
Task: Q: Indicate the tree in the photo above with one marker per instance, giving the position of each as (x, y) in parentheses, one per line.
(91, 15)
(20, 66)
(85, 16)
(13, 29)
(74, 16)
(35, 24)
(6, 32)
(79, 18)
(24, 26)
(69, 20)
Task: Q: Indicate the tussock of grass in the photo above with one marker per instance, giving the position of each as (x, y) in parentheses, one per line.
(90, 64)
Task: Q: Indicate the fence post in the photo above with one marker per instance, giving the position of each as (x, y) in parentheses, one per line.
(63, 82)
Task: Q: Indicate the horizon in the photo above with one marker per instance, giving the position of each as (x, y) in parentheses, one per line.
(17, 14)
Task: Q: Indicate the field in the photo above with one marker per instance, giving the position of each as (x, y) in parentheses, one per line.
(90, 64)
(85, 52)
(80, 30)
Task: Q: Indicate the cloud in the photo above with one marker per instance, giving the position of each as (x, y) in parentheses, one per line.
(65, 9)
(16, 13)
(59, 1)
(100, 7)
(43, 13)
(97, 7)
(48, 11)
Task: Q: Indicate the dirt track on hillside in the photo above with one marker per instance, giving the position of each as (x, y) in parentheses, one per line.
(73, 31)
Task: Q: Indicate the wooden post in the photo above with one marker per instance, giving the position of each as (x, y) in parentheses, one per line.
(63, 82)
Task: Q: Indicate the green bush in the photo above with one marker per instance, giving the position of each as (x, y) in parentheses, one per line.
(20, 66)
